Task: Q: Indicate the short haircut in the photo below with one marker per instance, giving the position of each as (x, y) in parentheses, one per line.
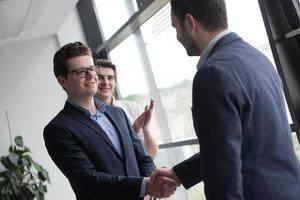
(67, 52)
(211, 14)
(105, 64)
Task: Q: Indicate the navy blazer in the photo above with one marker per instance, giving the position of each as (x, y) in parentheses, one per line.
(239, 116)
(84, 153)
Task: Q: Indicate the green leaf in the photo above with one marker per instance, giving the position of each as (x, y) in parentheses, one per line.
(10, 149)
(19, 141)
(37, 166)
(45, 188)
(26, 149)
(5, 162)
(15, 188)
(26, 162)
(43, 175)
(28, 157)
(32, 189)
(13, 158)
(19, 152)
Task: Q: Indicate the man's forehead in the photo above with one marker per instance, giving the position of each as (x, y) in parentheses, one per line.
(105, 71)
(81, 61)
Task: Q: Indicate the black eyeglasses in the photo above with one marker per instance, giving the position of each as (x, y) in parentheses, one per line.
(83, 72)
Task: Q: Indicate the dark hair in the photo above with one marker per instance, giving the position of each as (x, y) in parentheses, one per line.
(105, 64)
(210, 13)
(67, 52)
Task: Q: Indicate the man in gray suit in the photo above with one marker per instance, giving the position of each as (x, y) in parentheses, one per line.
(238, 111)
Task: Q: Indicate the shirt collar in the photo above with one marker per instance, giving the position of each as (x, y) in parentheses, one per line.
(99, 105)
(210, 45)
(113, 101)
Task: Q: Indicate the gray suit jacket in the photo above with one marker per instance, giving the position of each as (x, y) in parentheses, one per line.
(84, 153)
(240, 120)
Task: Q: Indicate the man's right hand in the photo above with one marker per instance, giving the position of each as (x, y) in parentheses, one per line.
(161, 187)
(168, 172)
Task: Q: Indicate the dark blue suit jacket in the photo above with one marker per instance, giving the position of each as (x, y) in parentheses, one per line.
(84, 153)
(241, 123)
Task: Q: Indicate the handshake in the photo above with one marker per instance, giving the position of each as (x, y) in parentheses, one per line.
(162, 183)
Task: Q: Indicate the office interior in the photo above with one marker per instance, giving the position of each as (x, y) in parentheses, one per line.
(137, 36)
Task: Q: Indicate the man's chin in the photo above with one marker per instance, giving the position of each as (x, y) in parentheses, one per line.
(102, 96)
(191, 53)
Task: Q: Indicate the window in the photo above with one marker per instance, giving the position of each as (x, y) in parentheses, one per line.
(113, 14)
(131, 77)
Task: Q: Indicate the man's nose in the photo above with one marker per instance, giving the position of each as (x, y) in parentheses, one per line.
(105, 80)
(89, 74)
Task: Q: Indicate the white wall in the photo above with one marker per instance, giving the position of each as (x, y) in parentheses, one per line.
(71, 30)
(32, 97)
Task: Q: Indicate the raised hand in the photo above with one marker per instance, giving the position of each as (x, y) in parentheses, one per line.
(139, 122)
(161, 187)
(142, 122)
(148, 110)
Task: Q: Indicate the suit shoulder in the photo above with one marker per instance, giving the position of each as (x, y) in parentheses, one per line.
(60, 120)
(114, 109)
(59, 117)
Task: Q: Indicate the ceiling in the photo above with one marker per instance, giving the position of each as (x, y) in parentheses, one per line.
(29, 19)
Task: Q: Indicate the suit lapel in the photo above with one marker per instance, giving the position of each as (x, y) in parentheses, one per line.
(115, 120)
(81, 117)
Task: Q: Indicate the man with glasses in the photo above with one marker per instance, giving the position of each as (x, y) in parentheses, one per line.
(93, 144)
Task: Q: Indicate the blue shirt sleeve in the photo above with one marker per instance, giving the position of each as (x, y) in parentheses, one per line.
(143, 187)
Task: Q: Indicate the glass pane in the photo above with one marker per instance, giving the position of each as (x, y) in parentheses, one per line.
(176, 155)
(107, 9)
(131, 77)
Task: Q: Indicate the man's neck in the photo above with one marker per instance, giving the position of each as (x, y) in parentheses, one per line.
(86, 103)
(206, 37)
(106, 100)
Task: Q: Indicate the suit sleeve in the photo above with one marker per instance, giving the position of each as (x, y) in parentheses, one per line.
(77, 167)
(216, 113)
(189, 171)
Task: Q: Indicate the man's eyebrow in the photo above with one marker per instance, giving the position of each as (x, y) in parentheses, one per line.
(105, 75)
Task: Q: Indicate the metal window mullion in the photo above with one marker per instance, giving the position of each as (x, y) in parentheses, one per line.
(154, 92)
(132, 25)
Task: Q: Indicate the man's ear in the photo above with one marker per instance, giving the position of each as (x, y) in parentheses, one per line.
(190, 21)
(62, 81)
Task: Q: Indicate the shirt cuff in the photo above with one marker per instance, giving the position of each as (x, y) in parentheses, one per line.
(143, 187)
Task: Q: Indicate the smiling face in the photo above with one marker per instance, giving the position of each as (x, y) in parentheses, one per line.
(106, 85)
(79, 88)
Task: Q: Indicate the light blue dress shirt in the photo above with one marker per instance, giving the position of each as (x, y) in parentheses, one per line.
(103, 122)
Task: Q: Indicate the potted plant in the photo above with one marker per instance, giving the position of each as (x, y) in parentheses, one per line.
(23, 178)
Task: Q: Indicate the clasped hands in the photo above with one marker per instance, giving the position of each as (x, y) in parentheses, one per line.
(163, 183)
